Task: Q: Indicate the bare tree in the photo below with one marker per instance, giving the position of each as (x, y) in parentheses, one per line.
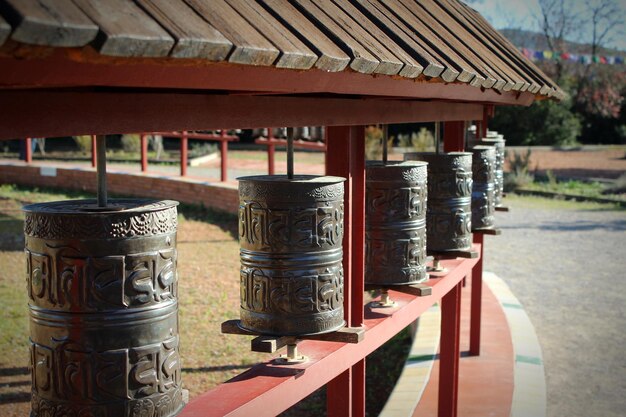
(605, 18)
(558, 20)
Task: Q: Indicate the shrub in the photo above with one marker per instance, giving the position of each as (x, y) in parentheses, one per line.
(131, 143)
(519, 174)
(83, 142)
(543, 123)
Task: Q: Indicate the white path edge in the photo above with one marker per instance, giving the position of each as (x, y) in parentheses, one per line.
(529, 393)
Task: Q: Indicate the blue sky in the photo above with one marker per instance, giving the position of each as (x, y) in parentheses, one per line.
(520, 13)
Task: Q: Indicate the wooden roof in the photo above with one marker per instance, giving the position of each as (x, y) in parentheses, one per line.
(424, 40)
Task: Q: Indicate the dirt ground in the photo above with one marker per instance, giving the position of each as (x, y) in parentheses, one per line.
(605, 163)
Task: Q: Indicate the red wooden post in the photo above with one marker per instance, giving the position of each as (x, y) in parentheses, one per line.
(453, 136)
(477, 296)
(271, 151)
(224, 156)
(144, 152)
(93, 151)
(183, 153)
(453, 141)
(345, 141)
(28, 155)
(449, 353)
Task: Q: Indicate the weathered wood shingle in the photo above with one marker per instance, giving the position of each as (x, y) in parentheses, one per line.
(431, 40)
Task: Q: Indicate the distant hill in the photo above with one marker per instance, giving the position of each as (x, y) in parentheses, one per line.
(537, 41)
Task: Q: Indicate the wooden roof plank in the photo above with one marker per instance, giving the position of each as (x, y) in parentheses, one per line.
(466, 71)
(490, 78)
(492, 46)
(431, 67)
(5, 30)
(411, 68)
(294, 53)
(330, 56)
(362, 60)
(389, 63)
(504, 44)
(125, 29)
(474, 42)
(48, 22)
(250, 47)
(375, 9)
(195, 37)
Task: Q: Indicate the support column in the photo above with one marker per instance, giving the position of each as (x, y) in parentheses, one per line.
(453, 136)
(144, 152)
(271, 152)
(183, 153)
(93, 151)
(449, 353)
(28, 152)
(345, 157)
(224, 157)
(477, 296)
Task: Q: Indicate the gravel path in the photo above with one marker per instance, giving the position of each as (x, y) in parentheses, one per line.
(566, 263)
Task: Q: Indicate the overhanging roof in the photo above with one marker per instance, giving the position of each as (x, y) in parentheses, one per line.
(389, 43)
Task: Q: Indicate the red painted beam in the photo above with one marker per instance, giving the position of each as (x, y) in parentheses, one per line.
(54, 113)
(76, 68)
(267, 389)
(449, 353)
(477, 296)
(454, 136)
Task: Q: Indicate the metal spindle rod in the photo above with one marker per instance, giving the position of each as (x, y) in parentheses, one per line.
(437, 136)
(101, 169)
(385, 139)
(290, 153)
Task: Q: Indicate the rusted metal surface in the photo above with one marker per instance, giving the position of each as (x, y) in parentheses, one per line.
(291, 234)
(102, 289)
(448, 217)
(483, 187)
(498, 143)
(395, 223)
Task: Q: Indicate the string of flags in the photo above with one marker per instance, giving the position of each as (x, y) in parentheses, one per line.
(586, 59)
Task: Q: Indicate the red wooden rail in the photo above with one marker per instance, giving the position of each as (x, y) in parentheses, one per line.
(267, 389)
(271, 143)
(184, 136)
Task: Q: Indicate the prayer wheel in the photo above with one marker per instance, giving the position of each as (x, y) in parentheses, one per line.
(395, 218)
(498, 143)
(102, 289)
(483, 187)
(290, 235)
(448, 217)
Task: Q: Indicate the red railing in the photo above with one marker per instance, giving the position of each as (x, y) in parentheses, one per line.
(271, 143)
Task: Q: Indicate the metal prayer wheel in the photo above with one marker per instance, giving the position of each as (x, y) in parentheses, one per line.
(102, 289)
(395, 223)
(448, 217)
(498, 143)
(483, 187)
(291, 235)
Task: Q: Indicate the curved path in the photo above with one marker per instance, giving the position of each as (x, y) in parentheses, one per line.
(566, 263)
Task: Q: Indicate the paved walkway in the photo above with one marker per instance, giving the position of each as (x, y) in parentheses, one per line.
(567, 267)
